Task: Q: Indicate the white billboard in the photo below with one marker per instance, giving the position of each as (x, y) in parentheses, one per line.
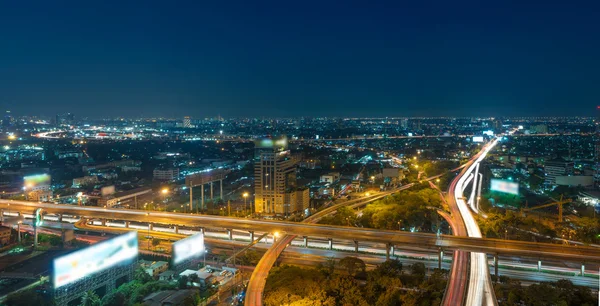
(505, 186)
(477, 138)
(98, 257)
(187, 248)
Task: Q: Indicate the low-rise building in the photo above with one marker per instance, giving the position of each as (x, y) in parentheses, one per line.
(330, 177)
(85, 180)
(165, 174)
(154, 268)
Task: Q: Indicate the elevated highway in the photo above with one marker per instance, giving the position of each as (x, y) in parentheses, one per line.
(424, 240)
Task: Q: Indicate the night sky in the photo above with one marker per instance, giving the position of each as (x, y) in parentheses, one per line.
(300, 58)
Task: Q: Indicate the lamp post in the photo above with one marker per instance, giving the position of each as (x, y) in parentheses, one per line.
(205, 251)
(245, 195)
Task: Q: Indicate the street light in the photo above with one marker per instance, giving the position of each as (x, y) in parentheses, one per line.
(205, 251)
(275, 236)
(165, 190)
(245, 195)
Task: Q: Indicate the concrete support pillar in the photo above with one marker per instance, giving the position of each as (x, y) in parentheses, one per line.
(306, 241)
(211, 191)
(330, 243)
(230, 234)
(539, 266)
(103, 222)
(202, 196)
(19, 232)
(59, 216)
(392, 250)
(2, 215)
(251, 235)
(387, 251)
(221, 191)
(356, 246)
(440, 258)
(150, 226)
(496, 263)
(126, 224)
(582, 270)
(203, 230)
(176, 229)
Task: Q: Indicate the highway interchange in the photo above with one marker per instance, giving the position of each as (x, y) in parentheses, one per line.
(479, 284)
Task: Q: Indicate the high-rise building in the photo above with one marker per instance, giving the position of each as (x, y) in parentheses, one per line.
(187, 122)
(274, 176)
(8, 119)
(596, 164)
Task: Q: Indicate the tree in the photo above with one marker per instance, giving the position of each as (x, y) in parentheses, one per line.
(155, 242)
(141, 275)
(182, 282)
(90, 298)
(353, 265)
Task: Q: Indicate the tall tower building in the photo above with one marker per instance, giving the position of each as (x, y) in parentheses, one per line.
(274, 176)
(187, 122)
(596, 164)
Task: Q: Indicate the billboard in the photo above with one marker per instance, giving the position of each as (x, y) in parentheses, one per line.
(489, 133)
(505, 186)
(187, 248)
(98, 257)
(33, 181)
(267, 143)
(107, 190)
(477, 138)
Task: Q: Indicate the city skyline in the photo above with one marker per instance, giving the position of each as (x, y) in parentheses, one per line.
(283, 60)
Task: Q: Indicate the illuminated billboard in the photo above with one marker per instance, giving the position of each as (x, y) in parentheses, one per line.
(187, 248)
(277, 143)
(93, 259)
(505, 186)
(489, 133)
(477, 138)
(32, 181)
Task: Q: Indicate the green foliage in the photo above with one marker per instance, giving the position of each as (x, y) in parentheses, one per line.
(155, 242)
(408, 209)
(562, 292)
(182, 282)
(53, 240)
(249, 258)
(290, 285)
(90, 298)
(353, 265)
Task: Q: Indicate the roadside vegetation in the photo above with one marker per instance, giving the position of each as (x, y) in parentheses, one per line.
(413, 209)
(347, 282)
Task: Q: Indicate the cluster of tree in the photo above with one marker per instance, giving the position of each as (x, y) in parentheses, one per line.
(507, 224)
(387, 284)
(412, 209)
(562, 292)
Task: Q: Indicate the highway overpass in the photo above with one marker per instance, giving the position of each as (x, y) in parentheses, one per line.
(541, 251)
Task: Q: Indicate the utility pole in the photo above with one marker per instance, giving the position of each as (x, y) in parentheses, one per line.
(229, 208)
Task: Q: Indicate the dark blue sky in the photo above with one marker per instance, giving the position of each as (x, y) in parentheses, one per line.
(300, 58)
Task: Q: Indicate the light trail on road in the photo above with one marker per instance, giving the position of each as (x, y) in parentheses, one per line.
(480, 289)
